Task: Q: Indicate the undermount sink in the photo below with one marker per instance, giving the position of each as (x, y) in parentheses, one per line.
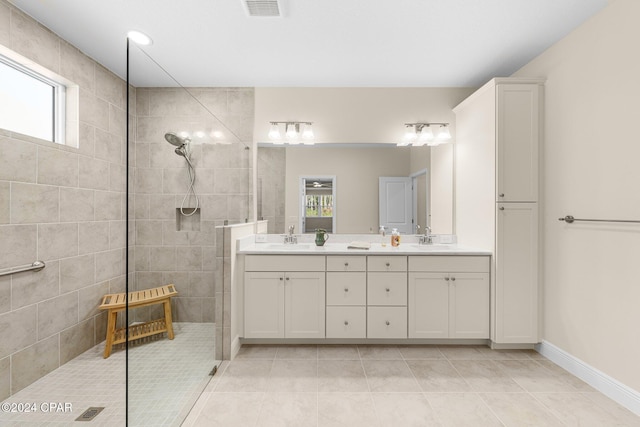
(288, 246)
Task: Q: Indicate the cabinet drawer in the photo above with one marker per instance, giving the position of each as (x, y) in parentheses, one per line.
(387, 263)
(387, 289)
(346, 288)
(386, 322)
(346, 322)
(471, 264)
(346, 263)
(284, 263)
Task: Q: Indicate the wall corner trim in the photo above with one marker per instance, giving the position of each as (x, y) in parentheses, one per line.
(610, 387)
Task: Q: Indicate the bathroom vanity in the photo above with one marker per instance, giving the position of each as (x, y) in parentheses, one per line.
(333, 293)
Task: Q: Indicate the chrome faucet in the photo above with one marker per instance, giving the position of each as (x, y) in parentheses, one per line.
(426, 238)
(290, 238)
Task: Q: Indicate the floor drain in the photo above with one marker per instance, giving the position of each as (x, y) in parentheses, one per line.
(90, 414)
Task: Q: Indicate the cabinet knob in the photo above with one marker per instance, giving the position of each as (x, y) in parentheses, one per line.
(446, 278)
(346, 264)
(287, 278)
(501, 194)
(388, 264)
(346, 289)
(346, 323)
(387, 289)
(453, 279)
(501, 208)
(281, 278)
(387, 323)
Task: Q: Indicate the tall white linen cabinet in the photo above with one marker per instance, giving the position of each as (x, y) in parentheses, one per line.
(497, 186)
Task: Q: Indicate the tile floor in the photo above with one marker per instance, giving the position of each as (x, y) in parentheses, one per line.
(166, 377)
(389, 386)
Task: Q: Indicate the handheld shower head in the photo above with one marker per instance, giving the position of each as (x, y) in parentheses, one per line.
(174, 139)
(180, 151)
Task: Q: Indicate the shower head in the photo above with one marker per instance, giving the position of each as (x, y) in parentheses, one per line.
(180, 151)
(175, 139)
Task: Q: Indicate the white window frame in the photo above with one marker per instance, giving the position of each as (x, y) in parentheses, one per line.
(59, 106)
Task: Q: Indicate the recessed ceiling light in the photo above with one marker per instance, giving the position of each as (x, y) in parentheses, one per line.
(139, 38)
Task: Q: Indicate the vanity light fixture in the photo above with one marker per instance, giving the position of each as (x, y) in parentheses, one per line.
(292, 133)
(419, 134)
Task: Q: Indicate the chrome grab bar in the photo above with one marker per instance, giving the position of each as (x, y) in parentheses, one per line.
(36, 266)
(569, 219)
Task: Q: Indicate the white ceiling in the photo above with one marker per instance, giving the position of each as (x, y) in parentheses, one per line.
(333, 43)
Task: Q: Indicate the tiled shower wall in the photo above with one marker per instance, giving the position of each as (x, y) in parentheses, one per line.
(65, 206)
(168, 247)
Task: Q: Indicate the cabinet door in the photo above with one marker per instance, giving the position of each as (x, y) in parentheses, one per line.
(468, 305)
(387, 289)
(263, 305)
(386, 322)
(346, 322)
(516, 299)
(346, 288)
(517, 138)
(304, 302)
(428, 305)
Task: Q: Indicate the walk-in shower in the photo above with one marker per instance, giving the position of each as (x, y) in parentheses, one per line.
(183, 149)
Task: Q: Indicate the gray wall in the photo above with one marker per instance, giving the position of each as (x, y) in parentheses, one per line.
(62, 205)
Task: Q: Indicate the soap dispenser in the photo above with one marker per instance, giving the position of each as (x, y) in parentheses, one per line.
(395, 238)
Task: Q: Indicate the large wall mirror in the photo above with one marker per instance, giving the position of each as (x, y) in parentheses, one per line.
(357, 169)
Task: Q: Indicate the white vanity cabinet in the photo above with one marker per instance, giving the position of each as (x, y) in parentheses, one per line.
(284, 296)
(346, 296)
(449, 297)
(387, 296)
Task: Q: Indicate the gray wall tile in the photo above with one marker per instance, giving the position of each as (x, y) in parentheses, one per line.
(93, 237)
(109, 87)
(5, 371)
(108, 205)
(162, 258)
(92, 173)
(77, 272)
(5, 207)
(5, 23)
(18, 160)
(117, 237)
(90, 298)
(5, 294)
(57, 167)
(34, 362)
(32, 287)
(57, 314)
(18, 329)
(94, 111)
(18, 245)
(34, 41)
(76, 205)
(57, 240)
(76, 340)
(107, 146)
(109, 265)
(77, 67)
(32, 203)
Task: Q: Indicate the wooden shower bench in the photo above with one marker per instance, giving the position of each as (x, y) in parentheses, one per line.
(117, 302)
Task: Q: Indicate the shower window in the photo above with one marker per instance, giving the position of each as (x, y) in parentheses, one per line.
(30, 103)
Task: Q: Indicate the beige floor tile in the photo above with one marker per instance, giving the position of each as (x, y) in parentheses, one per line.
(379, 352)
(289, 410)
(294, 376)
(622, 415)
(341, 376)
(245, 376)
(230, 410)
(505, 354)
(419, 352)
(533, 377)
(404, 410)
(346, 409)
(485, 376)
(297, 352)
(437, 376)
(519, 409)
(340, 352)
(462, 352)
(249, 351)
(575, 409)
(576, 383)
(461, 409)
(390, 376)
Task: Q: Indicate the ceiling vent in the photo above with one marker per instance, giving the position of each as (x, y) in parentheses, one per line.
(262, 7)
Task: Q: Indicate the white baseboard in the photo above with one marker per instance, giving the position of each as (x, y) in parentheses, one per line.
(614, 389)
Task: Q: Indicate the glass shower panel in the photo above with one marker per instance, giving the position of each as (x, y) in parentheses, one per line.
(190, 171)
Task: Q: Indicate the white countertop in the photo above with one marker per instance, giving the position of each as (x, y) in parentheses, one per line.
(306, 246)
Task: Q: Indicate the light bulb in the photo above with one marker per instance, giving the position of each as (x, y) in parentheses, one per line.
(410, 133)
(307, 131)
(139, 38)
(444, 133)
(426, 134)
(274, 132)
(292, 130)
